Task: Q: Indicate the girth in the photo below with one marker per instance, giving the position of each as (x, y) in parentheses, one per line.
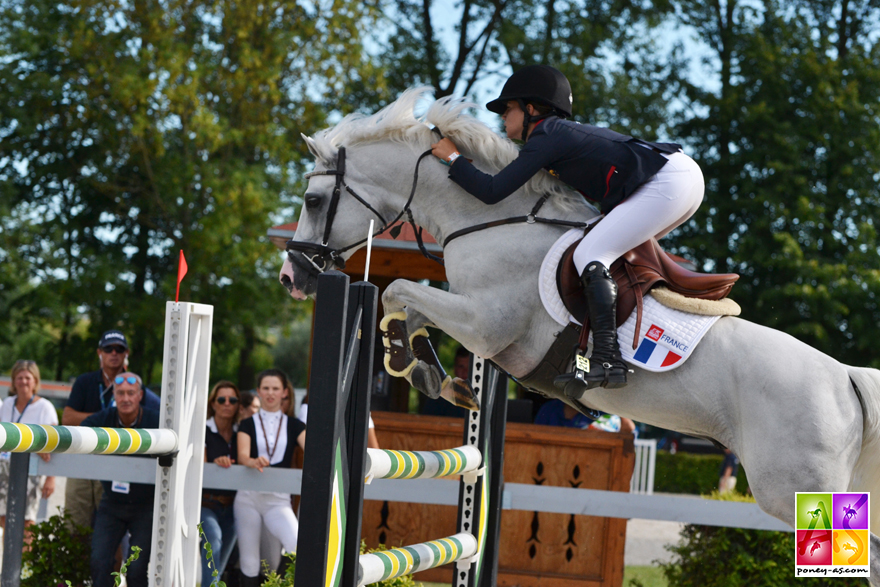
(636, 273)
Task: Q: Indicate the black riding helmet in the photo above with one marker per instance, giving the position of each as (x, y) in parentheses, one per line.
(539, 84)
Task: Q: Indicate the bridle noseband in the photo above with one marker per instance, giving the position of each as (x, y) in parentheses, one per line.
(322, 256)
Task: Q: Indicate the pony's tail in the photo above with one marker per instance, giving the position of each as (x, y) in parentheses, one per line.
(866, 475)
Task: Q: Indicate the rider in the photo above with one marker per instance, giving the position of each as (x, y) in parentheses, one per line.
(643, 190)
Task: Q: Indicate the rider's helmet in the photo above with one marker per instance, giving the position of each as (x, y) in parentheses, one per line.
(539, 84)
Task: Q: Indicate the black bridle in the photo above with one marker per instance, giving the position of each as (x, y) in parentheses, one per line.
(322, 256)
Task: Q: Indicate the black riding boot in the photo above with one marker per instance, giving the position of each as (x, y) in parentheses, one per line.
(605, 367)
(246, 581)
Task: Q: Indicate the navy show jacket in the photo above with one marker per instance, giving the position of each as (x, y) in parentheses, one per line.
(604, 166)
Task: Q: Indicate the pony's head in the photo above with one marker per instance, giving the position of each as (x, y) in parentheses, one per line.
(342, 197)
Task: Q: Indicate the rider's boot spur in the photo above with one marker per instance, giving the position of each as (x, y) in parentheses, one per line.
(605, 367)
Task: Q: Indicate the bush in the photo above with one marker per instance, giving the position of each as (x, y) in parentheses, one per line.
(690, 473)
(711, 556)
(60, 552)
(274, 580)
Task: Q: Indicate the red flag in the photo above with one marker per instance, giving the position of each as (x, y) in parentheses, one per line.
(181, 271)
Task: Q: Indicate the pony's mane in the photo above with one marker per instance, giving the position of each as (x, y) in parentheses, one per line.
(397, 122)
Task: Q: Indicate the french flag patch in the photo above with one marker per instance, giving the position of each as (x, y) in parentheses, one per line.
(652, 354)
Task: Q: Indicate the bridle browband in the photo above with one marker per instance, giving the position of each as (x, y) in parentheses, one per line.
(322, 256)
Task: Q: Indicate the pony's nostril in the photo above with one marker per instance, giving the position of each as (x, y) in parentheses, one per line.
(285, 281)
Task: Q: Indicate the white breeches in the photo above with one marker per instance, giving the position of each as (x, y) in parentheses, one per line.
(661, 204)
(254, 509)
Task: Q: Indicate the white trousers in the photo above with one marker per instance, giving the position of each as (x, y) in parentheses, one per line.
(253, 510)
(658, 206)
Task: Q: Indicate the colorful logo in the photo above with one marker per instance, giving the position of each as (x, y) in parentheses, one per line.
(832, 534)
(653, 351)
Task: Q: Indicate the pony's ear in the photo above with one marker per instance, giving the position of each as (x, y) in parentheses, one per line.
(312, 145)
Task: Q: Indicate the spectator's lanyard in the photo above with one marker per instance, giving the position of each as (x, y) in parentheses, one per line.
(21, 414)
(277, 436)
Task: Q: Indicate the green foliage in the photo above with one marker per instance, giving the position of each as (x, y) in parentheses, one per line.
(60, 551)
(739, 558)
(275, 580)
(117, 575)
(691, 473)
(209, 556)
(167, 126)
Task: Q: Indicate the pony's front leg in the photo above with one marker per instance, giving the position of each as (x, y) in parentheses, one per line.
(410, 354)
(455, 314)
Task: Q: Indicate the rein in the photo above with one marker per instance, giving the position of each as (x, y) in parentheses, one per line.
(322, 256)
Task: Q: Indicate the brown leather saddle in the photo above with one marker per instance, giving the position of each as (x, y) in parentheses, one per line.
(636, 273)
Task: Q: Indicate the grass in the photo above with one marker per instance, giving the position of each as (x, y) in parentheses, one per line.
(647, 576)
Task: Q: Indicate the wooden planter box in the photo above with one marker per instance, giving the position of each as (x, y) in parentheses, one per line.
(537, 549)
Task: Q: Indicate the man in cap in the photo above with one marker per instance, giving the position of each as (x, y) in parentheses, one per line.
(93, 392)
(124, 507)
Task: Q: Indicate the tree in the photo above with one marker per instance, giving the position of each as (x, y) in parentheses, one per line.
(131, 130)
(790, 148)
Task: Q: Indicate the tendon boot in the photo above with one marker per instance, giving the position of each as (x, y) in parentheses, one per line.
(605, 367)
(246, 581)
(455, 390)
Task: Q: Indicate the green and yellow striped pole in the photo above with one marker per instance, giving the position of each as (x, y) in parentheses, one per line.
(82, 440)
(388, 564)
(406, 464)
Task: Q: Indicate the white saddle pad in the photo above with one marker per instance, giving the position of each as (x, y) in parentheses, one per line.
(666, 338)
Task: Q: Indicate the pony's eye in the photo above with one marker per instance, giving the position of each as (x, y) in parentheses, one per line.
(313, 202)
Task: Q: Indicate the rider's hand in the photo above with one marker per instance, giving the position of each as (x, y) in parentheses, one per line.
(445, 150)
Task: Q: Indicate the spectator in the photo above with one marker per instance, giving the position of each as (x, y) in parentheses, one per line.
(266, 439)
(91, 393)
(249, 406)
(25, 407)
(441, 407)
(729, 469)
(557, 413)
(372, 441)
(221, 448)
(124, 507)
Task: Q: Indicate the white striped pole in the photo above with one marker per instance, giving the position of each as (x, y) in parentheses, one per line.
(405, 464)
(83, 440)
(389, 564)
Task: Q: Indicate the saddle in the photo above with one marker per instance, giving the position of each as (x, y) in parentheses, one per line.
(636, 273)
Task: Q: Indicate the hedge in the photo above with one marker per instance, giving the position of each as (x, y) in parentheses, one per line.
(691, 473)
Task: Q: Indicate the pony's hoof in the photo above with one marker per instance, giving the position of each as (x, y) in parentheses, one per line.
(426, 379)
(458, 392)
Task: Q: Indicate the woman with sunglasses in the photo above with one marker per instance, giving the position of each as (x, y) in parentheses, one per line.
(23, 406)
(221, 448)
(267, 439)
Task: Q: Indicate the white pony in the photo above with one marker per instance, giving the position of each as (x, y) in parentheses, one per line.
(798, 419)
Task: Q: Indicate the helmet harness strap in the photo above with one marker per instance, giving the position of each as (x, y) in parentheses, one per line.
(527, 118)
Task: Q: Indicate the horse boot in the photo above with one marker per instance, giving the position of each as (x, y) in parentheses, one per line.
(605, 367)
(453, 389)
(399, 359)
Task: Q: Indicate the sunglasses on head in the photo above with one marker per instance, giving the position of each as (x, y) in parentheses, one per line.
(120, 379)
(114, 349)
(222, 400)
